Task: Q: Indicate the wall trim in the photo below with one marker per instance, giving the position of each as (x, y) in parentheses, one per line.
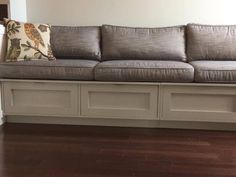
(2, 120)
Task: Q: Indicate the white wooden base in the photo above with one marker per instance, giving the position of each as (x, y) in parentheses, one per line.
(198, 103)
(119, 104)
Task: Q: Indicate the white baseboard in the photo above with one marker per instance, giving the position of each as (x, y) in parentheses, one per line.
(121, 123)
(2, 120)
(82, 121)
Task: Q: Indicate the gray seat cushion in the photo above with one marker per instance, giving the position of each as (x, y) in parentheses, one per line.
(76, 42)
(143, 43)
(215, 71)
(207, 42)
(43, 69)
(144, 70)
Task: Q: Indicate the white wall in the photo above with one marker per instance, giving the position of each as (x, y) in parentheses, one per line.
(18, 10)
(2, 29)
(132, 12)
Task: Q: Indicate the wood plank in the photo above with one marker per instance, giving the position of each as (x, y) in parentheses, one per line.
(114, 152)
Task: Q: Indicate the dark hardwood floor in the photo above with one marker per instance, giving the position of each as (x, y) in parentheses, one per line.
(77, 151)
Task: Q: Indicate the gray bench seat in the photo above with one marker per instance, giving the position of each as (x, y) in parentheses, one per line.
(144, 70)
(65, 69)
(215, 71)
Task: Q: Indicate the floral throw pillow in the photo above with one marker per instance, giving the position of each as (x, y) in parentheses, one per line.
(27, 41)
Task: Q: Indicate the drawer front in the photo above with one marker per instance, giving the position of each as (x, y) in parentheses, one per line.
(198, 103)
(39, 98)
(119, 101)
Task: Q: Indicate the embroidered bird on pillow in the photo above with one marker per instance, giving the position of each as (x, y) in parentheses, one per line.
(27, 41)
(33, 34)
(15, 49)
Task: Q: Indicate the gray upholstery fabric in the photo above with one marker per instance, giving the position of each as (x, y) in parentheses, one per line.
(76, 42)
(59, 70)
(207, 42)
(143, 43)
(215, 71)
(144, 70)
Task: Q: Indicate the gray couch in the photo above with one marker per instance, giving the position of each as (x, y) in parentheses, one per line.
(174, 77)
(195, 53)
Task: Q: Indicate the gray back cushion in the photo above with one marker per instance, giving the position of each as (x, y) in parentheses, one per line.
(143, 43)
(76, 42)
(207, 42)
